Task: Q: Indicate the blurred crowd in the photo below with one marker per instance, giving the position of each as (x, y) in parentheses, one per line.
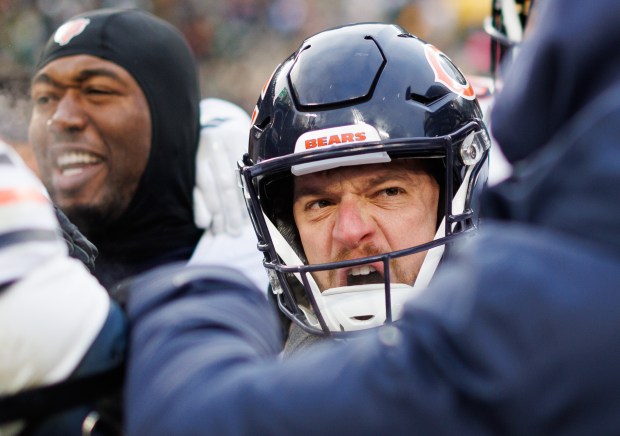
(237, 42)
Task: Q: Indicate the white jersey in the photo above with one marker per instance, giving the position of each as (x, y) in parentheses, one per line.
(229, 238)
(51, 308)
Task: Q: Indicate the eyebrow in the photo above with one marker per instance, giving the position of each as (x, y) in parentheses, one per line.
(83, 76)
(313, 190)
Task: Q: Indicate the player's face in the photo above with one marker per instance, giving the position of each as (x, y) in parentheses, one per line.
(354, 212)
(91, 133)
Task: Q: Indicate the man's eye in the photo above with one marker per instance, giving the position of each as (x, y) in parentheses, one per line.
(390, 192)
(318, 204)
(97, 91)
(41, 100)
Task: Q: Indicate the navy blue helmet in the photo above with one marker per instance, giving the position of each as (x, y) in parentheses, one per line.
(355, 95)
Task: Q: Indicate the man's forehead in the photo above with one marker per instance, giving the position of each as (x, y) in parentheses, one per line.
(371, 173)
(82, 67)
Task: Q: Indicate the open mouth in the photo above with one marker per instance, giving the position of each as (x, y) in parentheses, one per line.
(72, 163)
(363, 275)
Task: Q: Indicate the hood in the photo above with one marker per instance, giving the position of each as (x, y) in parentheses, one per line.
(160, 216)
(557, 121)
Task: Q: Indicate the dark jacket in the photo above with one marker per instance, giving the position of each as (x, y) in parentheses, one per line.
(518, 334)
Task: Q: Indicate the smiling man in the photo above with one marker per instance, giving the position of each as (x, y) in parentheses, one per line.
(115, 128)
(91, 129)
(366, 157)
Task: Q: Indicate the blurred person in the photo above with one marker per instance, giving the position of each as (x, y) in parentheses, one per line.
(346, 237)
(63, 340)
(506, 27)
(14, 115)
(517, 333)
(116, 130)
(288, 16)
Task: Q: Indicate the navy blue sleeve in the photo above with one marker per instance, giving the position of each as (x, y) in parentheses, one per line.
(204, 360)
(190, 327)
(489, 348)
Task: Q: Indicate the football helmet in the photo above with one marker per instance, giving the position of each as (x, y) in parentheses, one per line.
(506, 27)
(354, 95)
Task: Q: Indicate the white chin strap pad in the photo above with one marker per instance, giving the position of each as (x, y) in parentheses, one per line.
(361, 307)
(434, 255)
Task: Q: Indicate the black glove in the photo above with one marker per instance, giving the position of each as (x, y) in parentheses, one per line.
(80, 248)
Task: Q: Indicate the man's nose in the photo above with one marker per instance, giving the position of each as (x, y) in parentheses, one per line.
(69, 114)
(354, 223)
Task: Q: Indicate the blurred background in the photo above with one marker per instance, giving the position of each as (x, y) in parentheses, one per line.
(238, 43)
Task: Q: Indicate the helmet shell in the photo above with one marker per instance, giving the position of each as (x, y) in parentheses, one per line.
(370, 73)
(420, 106)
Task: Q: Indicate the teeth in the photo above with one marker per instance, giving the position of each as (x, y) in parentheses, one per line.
(72, 171)
(362, 270)
(76, 158)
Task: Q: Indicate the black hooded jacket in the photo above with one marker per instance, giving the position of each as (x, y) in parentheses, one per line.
(158, 225)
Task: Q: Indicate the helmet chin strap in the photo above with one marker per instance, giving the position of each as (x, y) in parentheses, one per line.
(289, 257)
(350, 308)
(434, 255)
(286, 252)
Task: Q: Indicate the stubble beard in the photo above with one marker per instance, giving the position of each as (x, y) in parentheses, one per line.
(94, 219)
